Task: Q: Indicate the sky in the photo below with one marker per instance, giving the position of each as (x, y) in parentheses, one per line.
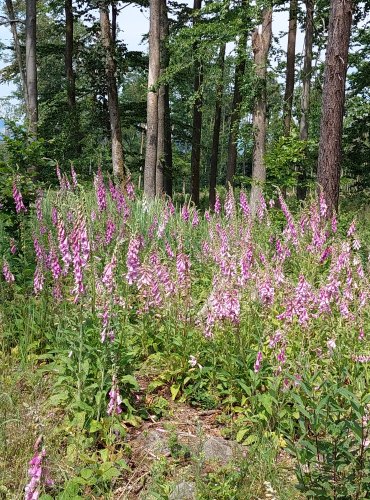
(134, 23)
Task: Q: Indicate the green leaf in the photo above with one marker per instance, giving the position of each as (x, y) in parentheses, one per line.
(130, 380)
(175, 388)
(240, 435)
(250, 440)
(95, 426)
(86, 473)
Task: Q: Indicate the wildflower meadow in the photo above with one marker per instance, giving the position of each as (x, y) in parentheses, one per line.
(117, 312)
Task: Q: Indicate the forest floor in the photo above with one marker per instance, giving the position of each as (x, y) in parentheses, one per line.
(178, 452)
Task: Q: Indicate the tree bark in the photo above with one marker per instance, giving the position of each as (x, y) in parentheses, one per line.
(290, 66)
(164, 146)
(197, 118)
(18, 52)
(68, 56)
(31, 68)
(152, 101)
(113, 106)
(331, 125)
(305, 98)
(235, 113)
(216, 129)
(261, 41)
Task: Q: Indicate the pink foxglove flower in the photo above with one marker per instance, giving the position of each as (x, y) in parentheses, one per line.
(13, 248)
(331, 345)
(54, 216)
(74, 177)
(185, 213)
(195, 221)
(63, 244)
(244, 204)
(18, 200)
(132, 259)
(8, 275)
(37, 473)
(38, 205)
(230, 204)
(38, 279)
(217, 205)
(130, 190)
(352, 229)
(258, 362)
(100, 191)
(115, 401)
(109, 231)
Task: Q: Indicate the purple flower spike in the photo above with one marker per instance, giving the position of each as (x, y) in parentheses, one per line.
(18, 200)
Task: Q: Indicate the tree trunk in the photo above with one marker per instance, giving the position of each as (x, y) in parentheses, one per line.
(235, 113)
(164, 146)
(152, 101)
(113, 106)
(305, 98)
(197, 118)
(331, 125)
(114, 22)
(17, 48)
(216, 129)
(290, 66)
(261, 41)
(31, 68)
(68, 56)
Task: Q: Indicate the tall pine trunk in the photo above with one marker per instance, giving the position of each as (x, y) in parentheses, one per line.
(290, 66)
(113, 106)
(164, 146)
(18, 52)
(331, 125)
(197, 118)
(305, 98)
(216, 129)
(261, 41)
(31, 68)
(152, 101)
(68, 56)
(235, 112)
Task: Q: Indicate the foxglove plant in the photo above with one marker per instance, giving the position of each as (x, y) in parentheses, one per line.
(63, 244)
(18, 200)
(132, 259)
(8, 275)
(115, 400)
(100, 191)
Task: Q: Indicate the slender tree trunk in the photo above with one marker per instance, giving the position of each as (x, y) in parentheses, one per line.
(290, 66)
(328, 173)
(235, 113)
(113, 106)
(216, 129)
(152, 101)
(18, 52)
(261, 41)
(164, 147)
(31, 68)
(305, 98)
(114, 22)
(197, 118)
(168, 173)
(68, 56)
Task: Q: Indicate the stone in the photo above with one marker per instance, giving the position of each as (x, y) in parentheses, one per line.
(184, 491)
(155, 443)
(217, 449)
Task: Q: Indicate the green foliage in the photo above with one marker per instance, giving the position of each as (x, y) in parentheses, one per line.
(285, 159)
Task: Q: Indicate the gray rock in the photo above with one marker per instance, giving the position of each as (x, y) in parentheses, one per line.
(217, 449)
(155, 443)
(183, 491)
